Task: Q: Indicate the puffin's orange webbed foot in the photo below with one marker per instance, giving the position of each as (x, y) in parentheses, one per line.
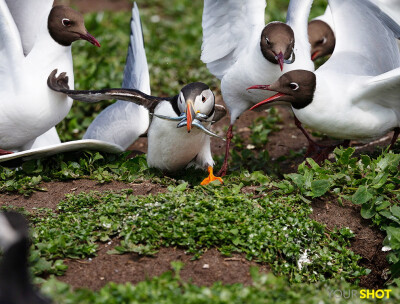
(211, 177)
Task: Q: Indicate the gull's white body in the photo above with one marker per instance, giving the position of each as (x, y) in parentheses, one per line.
(231, 48)
(169, 148)
(29, 107)
(390, 7)
(357, 92)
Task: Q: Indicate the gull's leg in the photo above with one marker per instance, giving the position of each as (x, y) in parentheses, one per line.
(229, 136)
(316, 151)
(394, 138)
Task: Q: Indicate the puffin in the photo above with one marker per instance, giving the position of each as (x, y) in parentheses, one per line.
(240, 50)
(34, 38)
(354, 95)
(178, 131)
(178, 135)
(15, 283)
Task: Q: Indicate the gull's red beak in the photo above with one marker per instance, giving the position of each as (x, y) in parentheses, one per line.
(314, 55)
(266, 101)
(271, 99)
(280, 60)
(189, 115)
(90, 39)
(259, 87)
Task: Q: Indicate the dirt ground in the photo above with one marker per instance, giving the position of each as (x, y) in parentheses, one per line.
(212, 267)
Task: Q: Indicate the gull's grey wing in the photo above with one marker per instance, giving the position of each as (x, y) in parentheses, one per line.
(136, 73)
(11, 52)
(220, 112)
(60, 84)
(123, 122)
(228, 28)
(29, 16)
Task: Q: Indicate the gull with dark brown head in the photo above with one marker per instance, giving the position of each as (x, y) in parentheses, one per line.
(241, 50)
(321, 36)
(321, 29)
(34, 39)
(355, 94)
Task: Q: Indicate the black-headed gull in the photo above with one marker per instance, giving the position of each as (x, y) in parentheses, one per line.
(321, 29)
(321, 35)
(241, 50)
(355, 94)
(170, 146)
(15, 283)
(27, 56)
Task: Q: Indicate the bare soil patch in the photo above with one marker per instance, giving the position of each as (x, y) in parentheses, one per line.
(54, 192)
(104, 268)
(367, 242)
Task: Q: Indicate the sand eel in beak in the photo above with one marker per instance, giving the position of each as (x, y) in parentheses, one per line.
(34, 38)
(15, 284)
(179, 131)
(241, 50)
(355, 94)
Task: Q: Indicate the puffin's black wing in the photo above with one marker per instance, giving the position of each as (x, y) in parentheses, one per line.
(60, 84)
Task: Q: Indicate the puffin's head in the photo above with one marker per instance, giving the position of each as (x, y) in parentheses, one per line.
(196, 100)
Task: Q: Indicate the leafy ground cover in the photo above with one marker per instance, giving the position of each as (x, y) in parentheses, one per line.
(263, 213)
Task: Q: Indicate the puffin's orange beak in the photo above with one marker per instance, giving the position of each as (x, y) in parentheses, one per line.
(190, 114)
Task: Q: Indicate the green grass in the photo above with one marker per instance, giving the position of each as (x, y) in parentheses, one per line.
(273, 228)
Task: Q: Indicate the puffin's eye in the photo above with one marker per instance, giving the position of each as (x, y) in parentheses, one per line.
(294, 86)
(66, 22)
(203, 99)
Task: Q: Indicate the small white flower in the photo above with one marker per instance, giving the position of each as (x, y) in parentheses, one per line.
(386, 248)
(303, 260)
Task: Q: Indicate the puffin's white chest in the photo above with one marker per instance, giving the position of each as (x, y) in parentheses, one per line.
(171, 148)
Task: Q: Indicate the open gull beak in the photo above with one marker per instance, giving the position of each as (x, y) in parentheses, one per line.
(190, 115)
(268, 100)
(90, 39)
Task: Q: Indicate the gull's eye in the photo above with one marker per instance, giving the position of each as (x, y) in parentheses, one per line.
(203, 99)
(66, 22)
(322, 41)
(294, 86)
